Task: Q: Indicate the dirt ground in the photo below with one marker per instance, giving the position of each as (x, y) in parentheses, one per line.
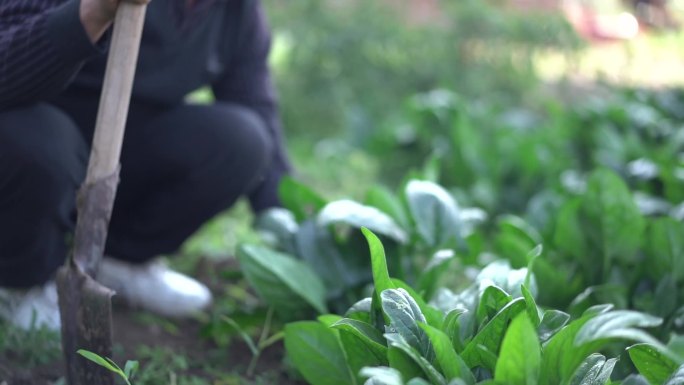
(131, 334)
(177, 344)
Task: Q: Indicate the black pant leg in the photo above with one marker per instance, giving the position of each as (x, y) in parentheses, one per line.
(179, 169)
(42, 163)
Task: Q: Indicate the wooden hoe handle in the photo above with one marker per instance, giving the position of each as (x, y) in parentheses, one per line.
(96, 197)
(116, 91)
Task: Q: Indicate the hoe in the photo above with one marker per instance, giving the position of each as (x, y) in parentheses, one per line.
(85, 305)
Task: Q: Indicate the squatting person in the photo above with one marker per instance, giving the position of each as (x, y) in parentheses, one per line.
(181, 164)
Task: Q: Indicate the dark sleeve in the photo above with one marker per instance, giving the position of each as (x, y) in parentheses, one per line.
(247, 81)
(42, 46)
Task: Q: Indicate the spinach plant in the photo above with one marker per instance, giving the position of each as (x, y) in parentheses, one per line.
(322, 255)
(484, 335)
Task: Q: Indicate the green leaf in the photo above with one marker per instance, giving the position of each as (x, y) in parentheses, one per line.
(614, 294)
(598, 310)
(635, 379)
(666, 297)
(677, 377)
(569, 236)
(515, 239)
(452, 328)
(451, 364)
(315, 351)
(377, 317)
(317, 247)
(403, 363)
(244, 335)
(520, 356)
(619, 324)
(278, 227)
(370, 335)
(417, 381)
(357, 215)
(282, 281)
(566, 350)
(361, 306)
(491, 335)
(361, 310)
(675, 345)
(560, 357)
(329, 319)
(560, 285)
(493, 299)
(298, 198)
(552, 321)
(433, 316)
(531, 258)
(381, 277)
(100, 361)
(429, 278)
(382, 376)
(360, 354)
(617, 226)
(594, 370)
(517, 225)
(532, 309)
(651, 363)
(435, 213)
(382, 198)
(397, 340)
(488, 358)
(499, 273)
(405, 314)
(665, 248)
(131, 368)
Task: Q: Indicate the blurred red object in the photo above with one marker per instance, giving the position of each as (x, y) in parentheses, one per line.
(584, 18)
(593, 26)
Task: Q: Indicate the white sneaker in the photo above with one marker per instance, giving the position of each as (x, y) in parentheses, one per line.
(33, 308)
(154, 287)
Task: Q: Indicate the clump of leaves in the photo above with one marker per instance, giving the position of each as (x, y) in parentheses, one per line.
(484, 335)
(322, 255)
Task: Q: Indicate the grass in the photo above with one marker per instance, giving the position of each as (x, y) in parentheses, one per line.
(38, 346)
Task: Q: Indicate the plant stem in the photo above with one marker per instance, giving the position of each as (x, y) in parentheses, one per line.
(260, 344)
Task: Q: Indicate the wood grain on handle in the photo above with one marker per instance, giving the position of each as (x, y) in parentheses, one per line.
(116, 91)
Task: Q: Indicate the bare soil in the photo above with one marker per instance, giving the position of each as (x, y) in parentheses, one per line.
(180, 337)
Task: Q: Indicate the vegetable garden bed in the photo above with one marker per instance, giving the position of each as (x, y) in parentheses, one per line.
(532, 247)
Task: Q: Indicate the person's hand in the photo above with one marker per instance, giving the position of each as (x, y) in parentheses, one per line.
(97, 15)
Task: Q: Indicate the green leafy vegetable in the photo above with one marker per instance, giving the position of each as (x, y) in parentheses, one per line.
(316, 352)
(285, 282)
(520, 356)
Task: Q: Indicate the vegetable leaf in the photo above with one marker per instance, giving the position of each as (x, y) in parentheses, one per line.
(357, 215)
(520, 357)
(282, 281)
(451, 364)
(404, 314)
(315, 351)
(594, 370)
(651, 363)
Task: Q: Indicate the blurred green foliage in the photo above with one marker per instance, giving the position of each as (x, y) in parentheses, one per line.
(344, 68)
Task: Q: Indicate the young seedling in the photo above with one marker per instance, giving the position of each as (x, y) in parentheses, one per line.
(127, 373)
(257, 347)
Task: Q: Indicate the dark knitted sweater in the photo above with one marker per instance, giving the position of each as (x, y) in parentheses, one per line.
(45, 52)
(223, 43)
